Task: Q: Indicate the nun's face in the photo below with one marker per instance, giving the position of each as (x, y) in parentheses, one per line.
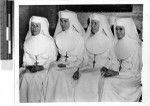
(94, 26)
(64, 24)
(35, 28)
(120, 32)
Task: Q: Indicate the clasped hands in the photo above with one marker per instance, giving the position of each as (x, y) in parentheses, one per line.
(34, 68)
(108, 73)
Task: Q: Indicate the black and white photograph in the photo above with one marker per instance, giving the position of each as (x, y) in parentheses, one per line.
(80, 53)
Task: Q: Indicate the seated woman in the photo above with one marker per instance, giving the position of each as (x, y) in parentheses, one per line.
(98, 44)
(126, 87)
(39, 52)
(70, 43)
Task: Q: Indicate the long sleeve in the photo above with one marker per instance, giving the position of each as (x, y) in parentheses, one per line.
(49, 56)
(131, 65)
(112, 62)
(79, 55)
(45, 58)
(136, 60)
(28, 59)
(74, 57)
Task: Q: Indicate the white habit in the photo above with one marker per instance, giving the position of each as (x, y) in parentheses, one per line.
(126, 86)
(98, 49)
(70, 44)
(41, 49)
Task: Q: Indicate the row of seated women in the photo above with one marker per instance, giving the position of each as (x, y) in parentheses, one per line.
(94, 66)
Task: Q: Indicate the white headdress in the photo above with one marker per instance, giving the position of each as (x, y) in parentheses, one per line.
(44, 26)
(126, 46)
(130, 28)
(73, 20)
(103, 24)
(103, 38)
(37, 44)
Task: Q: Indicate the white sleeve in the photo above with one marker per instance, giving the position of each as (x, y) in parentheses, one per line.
(28, 59)
(131, 65)
(137, 59)
(49, 56)
(112, 62)
(80, 52)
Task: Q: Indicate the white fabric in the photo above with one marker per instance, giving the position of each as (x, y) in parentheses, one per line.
(100, 45)
(41, 46)
(130, 28)
(124, 48)
(112, 21)
(44, 26)
(104, 25)
(73, 20)
(60, 87)
(126, 86)
(72, 43)
(32, 88)
(32, 85)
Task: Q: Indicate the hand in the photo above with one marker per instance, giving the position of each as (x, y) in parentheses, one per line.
(110, 73)
(61, 65)
(107, 75)
(39, 68)
(76, 75)
(104, 69)
(33, 68)
(104, 72)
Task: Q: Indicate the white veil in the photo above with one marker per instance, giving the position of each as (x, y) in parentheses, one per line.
(103, 39)
(130, 28)
(104, 25)
(131, 35)
(74, 22)
(44, 26)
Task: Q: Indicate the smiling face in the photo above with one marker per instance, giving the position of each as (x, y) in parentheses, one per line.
(64, 24)
(35, 28)
(94, 26)
(120, 32)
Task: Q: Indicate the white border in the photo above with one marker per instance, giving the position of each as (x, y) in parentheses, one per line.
(146, 48)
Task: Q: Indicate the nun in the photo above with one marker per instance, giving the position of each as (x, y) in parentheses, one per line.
(39, 52)
(125, 87)
(99, 55)
(70, 44)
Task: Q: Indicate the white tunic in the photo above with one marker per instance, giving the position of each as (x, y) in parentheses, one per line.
(32, 85)
(90, 83)
(126, 86)
(61, 85)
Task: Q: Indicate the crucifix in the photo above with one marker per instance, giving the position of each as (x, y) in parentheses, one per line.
(120, 61)
(94, 60)
(66, 56)
(36, 63)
